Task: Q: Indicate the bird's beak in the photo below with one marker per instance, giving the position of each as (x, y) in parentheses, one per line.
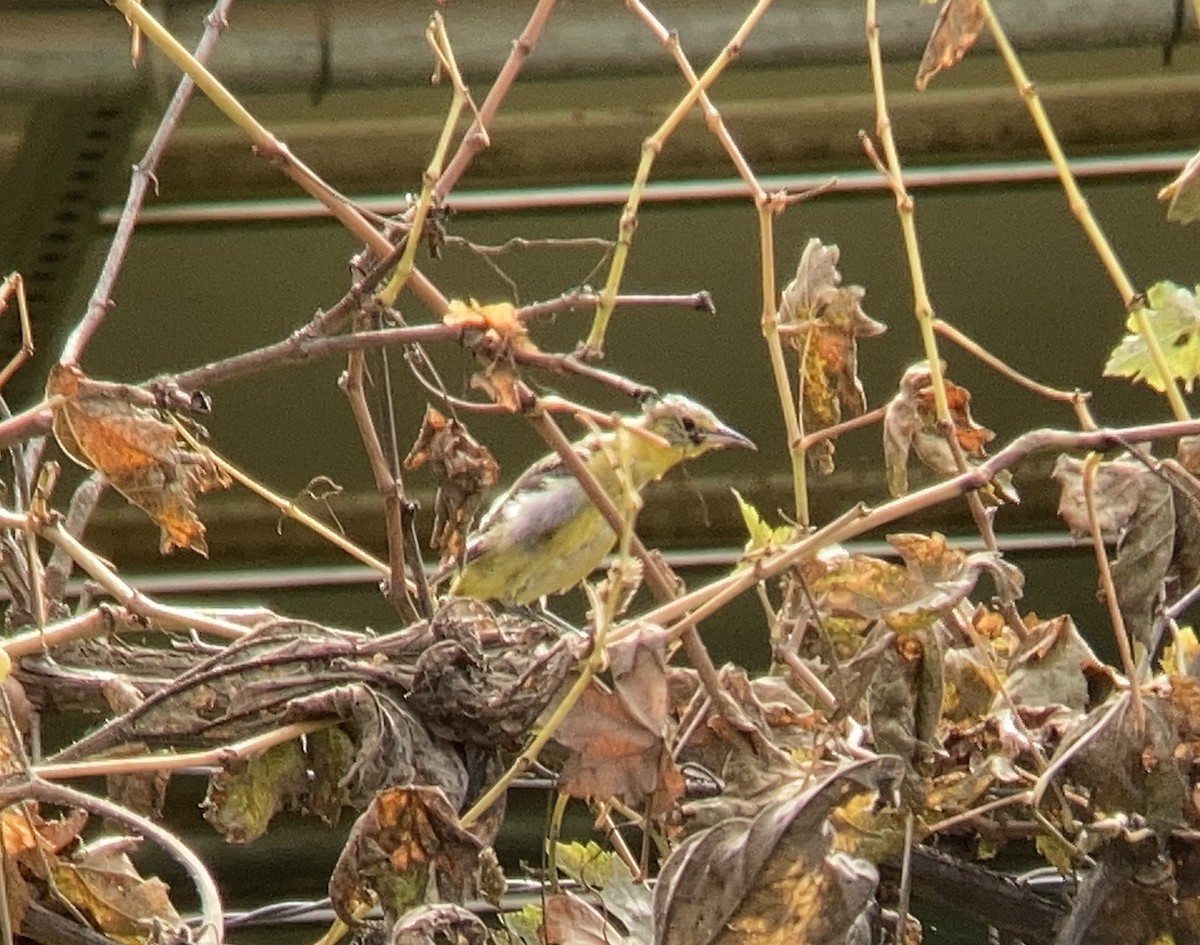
(724, 437)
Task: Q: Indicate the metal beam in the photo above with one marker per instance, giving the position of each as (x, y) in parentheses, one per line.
(285, 46)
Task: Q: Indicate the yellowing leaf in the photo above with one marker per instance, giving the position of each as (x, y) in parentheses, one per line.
(763, 537)
(107, 888)
(1174, 319)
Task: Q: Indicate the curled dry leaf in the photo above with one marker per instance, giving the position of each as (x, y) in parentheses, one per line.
(1184, 193)
(1135, 508)
(617, 738)
(103, 884)
(392, 746)
(488, 697)
(910, 425)
(934, 578)
(834, 320)
(784, 875)
(503, 331)
(406, 848)
(139, 453)
(1174, 318)
(464, 470)
(1127, 769)
(954, 33)
(443, 922)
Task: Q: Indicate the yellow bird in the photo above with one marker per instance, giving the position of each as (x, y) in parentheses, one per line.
(544, 535)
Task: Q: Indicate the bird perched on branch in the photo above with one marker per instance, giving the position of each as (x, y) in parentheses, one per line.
(544, 535)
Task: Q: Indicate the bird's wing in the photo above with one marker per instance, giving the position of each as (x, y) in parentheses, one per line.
(533, 484)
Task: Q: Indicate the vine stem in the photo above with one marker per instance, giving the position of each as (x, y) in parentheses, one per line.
(284, 506)
(893, 173)
(862, 519)
(439, 43)
(768, 206)
(178, 617)
(1116, 618)
(146, 764)
(139, 184)
(651, 147)
(1130, 297)
(274, 150)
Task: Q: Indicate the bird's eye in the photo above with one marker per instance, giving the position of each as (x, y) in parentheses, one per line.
(689, 427)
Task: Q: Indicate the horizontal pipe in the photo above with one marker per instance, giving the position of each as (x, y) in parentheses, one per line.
(1017, 172)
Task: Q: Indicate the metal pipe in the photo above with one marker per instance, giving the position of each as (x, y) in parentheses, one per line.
(483, 201)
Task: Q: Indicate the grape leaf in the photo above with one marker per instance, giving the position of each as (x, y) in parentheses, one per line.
(139, 453)
(1174, 318)
(785, 875)
(617, 737)
(833, 316)
(1135, 508)
(910, 426)
(407, 842)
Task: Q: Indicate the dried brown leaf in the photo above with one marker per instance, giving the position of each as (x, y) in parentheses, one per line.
(406, 844)
(140, 454)
(617, 738)
(104, 885)
(776, 877)
(392, 746)
(955, 31)
(464, 470)
(829, 348)
(910, 425)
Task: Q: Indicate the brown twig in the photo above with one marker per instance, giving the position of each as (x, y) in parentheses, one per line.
(139, 184)
(400, 592)
(972, 347)
(79, 513)
(310, 342)
(861, 519)
(476, 138)
(828, 433)
(651, 148)
(1109, 590)
(102, 574)
(147, 764)
(275, 152)
(767, 205)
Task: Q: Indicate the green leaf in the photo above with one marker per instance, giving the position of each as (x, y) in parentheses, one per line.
(762, 536)
(1174, 317)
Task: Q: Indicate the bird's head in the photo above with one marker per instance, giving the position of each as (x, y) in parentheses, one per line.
(690, 427)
